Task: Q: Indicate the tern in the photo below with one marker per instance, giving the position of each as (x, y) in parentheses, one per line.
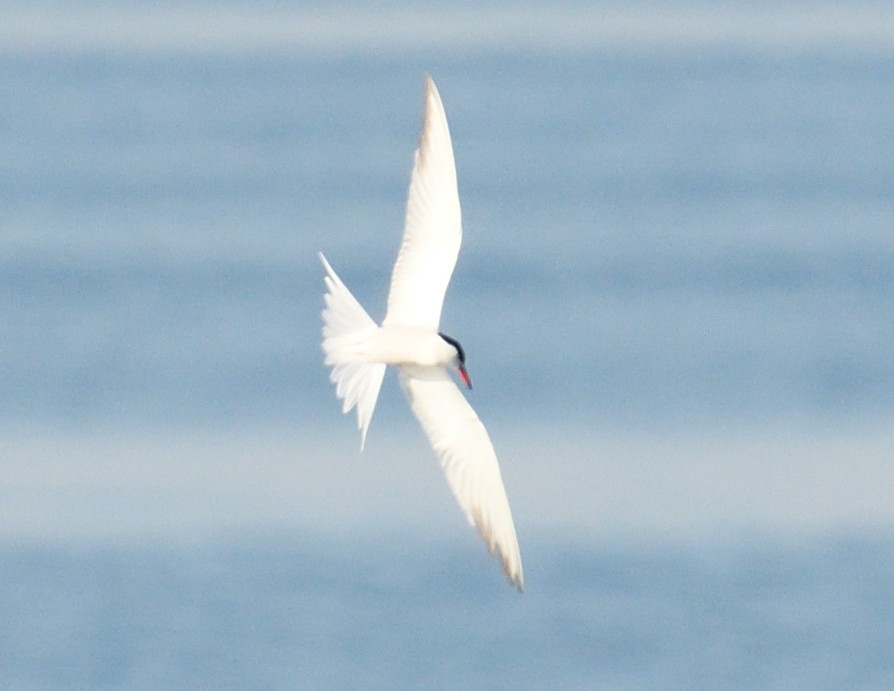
(358, 350)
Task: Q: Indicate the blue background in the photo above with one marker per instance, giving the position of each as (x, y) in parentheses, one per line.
(675, 292)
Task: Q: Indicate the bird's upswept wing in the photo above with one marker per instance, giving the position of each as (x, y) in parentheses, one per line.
(467, 456)
(433, 226)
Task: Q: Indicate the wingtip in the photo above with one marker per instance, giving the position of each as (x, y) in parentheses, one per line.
(510, 562)
(431, 89)
(516, 579)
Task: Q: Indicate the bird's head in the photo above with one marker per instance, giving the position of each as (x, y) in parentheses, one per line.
(459, 359)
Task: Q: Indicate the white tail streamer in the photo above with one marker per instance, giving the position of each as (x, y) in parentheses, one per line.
(347, 328)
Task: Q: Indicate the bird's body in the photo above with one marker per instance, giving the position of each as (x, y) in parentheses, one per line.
(358, 350)
(405, 345)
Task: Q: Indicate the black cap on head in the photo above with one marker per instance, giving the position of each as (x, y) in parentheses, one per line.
(461, 359)
(460, 353)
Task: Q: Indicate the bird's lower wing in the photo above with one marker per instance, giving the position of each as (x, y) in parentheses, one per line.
(467, 456)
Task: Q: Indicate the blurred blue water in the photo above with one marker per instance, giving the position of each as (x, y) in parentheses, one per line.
(691, 234)
(298, 614)
(689, 238)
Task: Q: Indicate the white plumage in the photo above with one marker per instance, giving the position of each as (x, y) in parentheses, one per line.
(358, 350)
(432, 227)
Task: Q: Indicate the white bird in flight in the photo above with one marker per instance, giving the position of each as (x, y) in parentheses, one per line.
(358, 349)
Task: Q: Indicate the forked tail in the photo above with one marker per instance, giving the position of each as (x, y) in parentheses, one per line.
(347, 328)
